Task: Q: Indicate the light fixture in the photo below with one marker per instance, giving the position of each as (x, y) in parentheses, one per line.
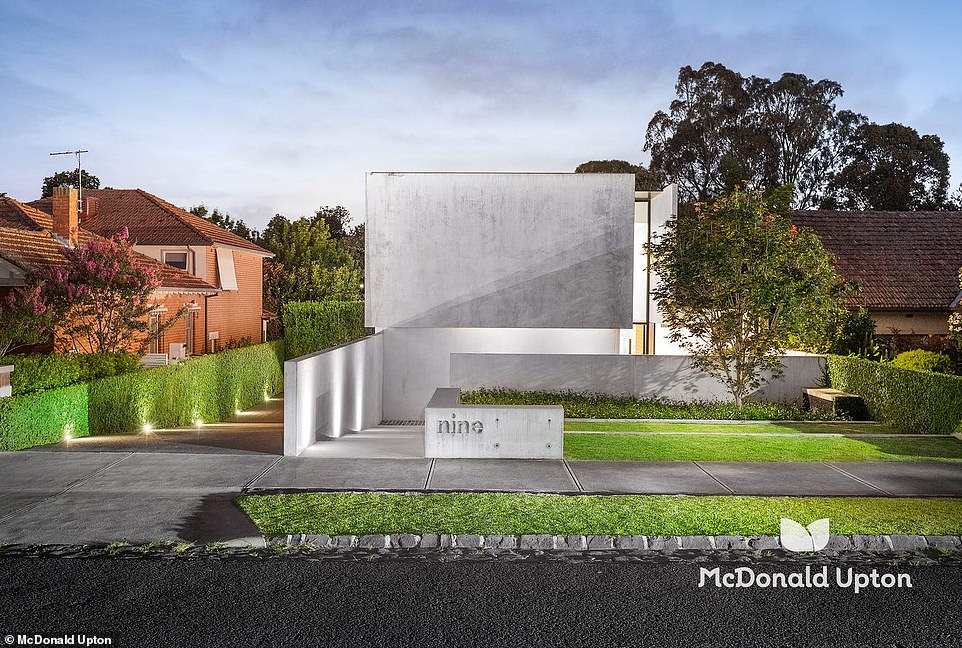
(148, 428)
(199, 422)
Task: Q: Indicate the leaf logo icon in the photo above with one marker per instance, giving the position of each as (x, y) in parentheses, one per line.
(797, 538)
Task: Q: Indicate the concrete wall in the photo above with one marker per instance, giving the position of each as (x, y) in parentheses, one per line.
(505, 250)
(642, 376)
(332, 392)
(418, 360)
(911, 322)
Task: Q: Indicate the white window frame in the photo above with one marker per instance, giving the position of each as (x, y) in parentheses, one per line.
(187, 257)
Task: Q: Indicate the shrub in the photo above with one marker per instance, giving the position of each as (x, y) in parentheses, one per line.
(588, 405)
(911, 401)
(33, 373)
(36, 419)
(312, 326)
(921, 360)
(209, 388)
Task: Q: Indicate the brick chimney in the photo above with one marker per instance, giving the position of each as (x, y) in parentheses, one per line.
(91, 207)
(65, 219)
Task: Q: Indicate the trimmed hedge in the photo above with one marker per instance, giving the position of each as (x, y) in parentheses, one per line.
(910, 401)
(33, 373)
(36, 419)
(922, 360)
(209, 388)
(312, 326)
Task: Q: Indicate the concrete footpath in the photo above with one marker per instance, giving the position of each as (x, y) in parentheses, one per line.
(92, 497)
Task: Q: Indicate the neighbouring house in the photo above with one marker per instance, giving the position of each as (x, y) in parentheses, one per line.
(906, 264)
(232, 265)
(31, 239)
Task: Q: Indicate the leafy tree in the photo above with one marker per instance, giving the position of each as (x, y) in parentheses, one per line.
(225, 221)
(24, 319)
(645, 180)
(68, 178)
(736, 279)
(337, 220)
(955, 321)
(890, 167)
(101, 296)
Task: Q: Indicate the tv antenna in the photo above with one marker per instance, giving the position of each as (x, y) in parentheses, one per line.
(80, 176)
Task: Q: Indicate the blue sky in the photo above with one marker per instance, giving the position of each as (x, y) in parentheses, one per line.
(260, 107)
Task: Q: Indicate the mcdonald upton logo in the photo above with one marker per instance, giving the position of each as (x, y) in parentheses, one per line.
(798, 538)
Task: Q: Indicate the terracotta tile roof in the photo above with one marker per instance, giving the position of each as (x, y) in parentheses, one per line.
(901, 260)
(152, 220)
(27, 242)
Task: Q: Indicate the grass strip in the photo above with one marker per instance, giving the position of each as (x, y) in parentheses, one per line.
(780, 427)
(686, 447)
(518, 513)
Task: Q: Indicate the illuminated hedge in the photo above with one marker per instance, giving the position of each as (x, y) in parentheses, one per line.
(312, 326)
(210, 388)
(45, 417)
(911, 401)
(37, 372)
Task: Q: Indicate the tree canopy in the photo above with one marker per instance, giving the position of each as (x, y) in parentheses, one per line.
(70, 178)
(224, 220)
(736, 279)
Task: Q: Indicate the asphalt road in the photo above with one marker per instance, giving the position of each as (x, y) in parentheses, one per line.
(402, 603)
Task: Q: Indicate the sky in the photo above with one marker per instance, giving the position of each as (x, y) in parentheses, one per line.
(281, 106)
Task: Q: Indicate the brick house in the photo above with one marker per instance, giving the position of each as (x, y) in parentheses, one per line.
(33, 239)
(906, 264)
(232, 265)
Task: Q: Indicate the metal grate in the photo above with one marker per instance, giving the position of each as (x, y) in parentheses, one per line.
(398, 422)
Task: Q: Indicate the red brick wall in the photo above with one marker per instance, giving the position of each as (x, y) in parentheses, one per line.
(236, 314)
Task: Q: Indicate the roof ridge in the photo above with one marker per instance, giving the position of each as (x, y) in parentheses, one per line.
(172, 209)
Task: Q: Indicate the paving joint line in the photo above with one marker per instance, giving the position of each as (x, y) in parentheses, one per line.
(427, 480)
(717, 481)
(66, 489)
(858, 479)
(574, 477)
(251, 481)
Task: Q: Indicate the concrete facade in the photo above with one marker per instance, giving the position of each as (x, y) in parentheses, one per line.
(332, 392)
(491, 431)
(641, 376)
(504, 250)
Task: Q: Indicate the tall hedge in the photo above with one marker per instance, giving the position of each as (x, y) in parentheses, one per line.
(209, 388)
(312, 326)
(911, 401)
(44, 417)
(33, 373)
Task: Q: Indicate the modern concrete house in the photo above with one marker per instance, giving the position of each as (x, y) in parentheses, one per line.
(229, 264)
(905, 263)
(524, 281)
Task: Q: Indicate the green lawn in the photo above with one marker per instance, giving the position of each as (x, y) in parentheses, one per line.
(688, 447)
(513, 513)
(779, 427)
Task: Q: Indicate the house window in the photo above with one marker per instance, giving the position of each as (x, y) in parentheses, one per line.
(176, 259)
(154, 326)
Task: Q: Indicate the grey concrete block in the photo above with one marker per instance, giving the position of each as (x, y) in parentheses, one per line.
(696, 542)
(449, 540)
(600, 542)
(430, 540)
(571, 542)
(944, 542)
(374, 541)
(344, 541)
(872, 543)
(731, 542)
(469, 541)
(322, 541)
(537, 541)
(907, 542)
(631, 542)
(840, 543)
(764, 543)
(405, 540)
(663, 543)
(501, 541)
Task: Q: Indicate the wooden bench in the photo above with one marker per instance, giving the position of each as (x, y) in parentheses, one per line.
(836, 402)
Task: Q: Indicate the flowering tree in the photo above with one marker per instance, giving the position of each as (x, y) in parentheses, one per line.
(25, 319)
(955, 321)
(736, 278)
(101, 294)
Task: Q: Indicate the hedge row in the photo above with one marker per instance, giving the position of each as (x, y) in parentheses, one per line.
(312, 326)
(911, 401)
(45, 417)
(210, 388)
(33, 373)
